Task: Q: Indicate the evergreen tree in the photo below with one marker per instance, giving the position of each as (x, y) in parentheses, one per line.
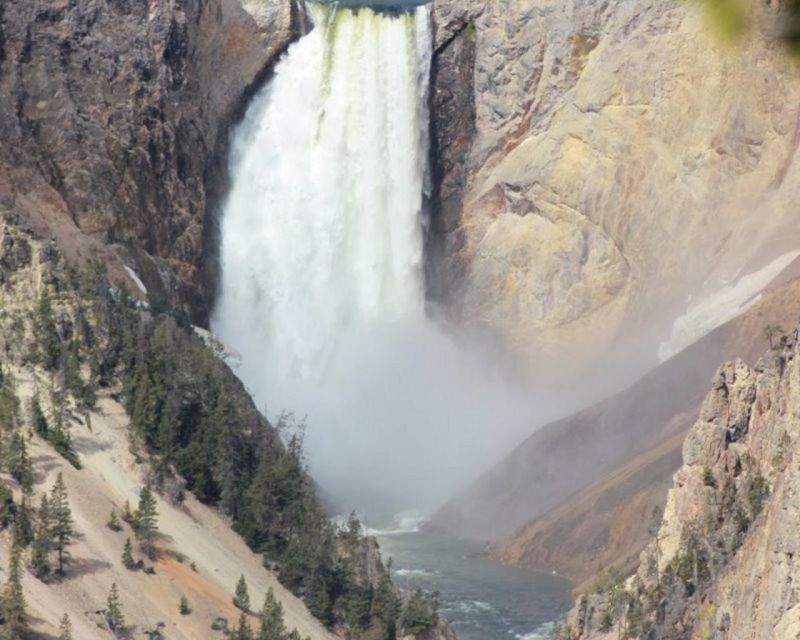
(46, 332)
(23, 524)
(242, 597)
(272, 626)
(7, 508)
(20, 465)
(243, 631)
(13, 600)
(40, 555)
(127, 515)
(146, 520)
(114, 616)
(38, 418)
(72, 371)
(65, 628)
(113, 522)
(61, 519)
(127, 555)
(184, 607)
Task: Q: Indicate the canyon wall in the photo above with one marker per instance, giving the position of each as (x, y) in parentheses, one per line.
(721, 563)
(113, 117)
(605, 168)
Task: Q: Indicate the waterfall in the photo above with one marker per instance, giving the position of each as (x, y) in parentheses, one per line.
(323, 228)
(322, 291)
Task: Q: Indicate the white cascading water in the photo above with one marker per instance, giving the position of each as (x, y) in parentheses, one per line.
(322, 289)
(323, 228)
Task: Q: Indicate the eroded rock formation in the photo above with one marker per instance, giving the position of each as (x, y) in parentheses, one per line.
(722, 563)
(622, 166)
(113, 117)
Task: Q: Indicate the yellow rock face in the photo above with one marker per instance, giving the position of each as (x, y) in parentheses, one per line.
(626, 165)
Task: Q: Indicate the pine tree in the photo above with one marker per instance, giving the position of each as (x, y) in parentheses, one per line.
(114, 616)
(40, 555)
(65, 628)
(184, 607)
(243, 631)
(242, 597)
(38, 419)
(13, 600)
(127, 555)
(146, 520)
(23, 524)
(113, 522)
(127, 515)
(20, 465)
(45, 329)
(61, 518)
(272, 626)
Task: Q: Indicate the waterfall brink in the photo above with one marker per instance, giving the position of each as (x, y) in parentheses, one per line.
(322, 271)
(323, 229)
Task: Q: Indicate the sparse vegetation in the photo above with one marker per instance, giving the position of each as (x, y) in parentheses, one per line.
(183, 607)
(114, 616)
(12, 603)
(113, 522)
(242, 598)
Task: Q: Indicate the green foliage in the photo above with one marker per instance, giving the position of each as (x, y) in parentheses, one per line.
(23, 524)
(19, 462)
(12, 604)
(420, 612)
(113, 522)
(42, 541)
(114, 616)
(241, 599)
(7, 507)
(191, 415)
(271, 620)
(184, 608)
(242, 631)
(38, 418)
(49, 344)
(127, 555)
(65, 628)
(61, 515)
(757, 493)
(146, 520)
(708, 478)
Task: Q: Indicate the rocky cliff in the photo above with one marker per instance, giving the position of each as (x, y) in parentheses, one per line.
(721, 564)
(606, 168)
(113, 117)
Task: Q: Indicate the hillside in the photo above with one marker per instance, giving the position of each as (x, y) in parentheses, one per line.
(721, 562)
(115, 398)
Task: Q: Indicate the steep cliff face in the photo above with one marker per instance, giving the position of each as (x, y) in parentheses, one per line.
(578, 493)
(722, 563)
(113, 114)
(621, 167)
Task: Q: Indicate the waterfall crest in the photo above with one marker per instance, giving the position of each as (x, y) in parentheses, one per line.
(323, 229)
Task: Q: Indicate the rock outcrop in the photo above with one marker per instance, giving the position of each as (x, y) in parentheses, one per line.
(113, 117)
(578, 494)
(605, 166)
(722, 564)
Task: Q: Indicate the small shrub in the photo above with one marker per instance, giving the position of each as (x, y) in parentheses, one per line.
(708, 478)
(184, 607)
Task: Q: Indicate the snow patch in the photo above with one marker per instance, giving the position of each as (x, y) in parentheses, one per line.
(720, 307)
